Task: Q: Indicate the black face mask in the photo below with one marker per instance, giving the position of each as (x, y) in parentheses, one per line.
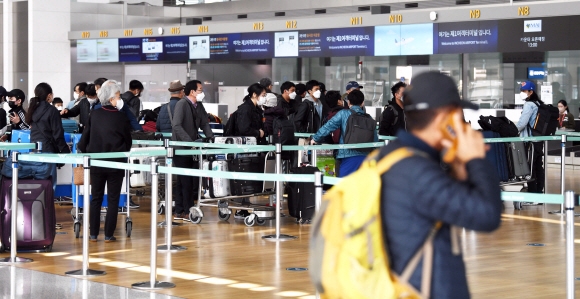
(12, 104)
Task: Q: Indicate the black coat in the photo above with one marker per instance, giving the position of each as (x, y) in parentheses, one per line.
(289, 107)
(46, 127)
(108, 130)
(306, 119)
(269, 115)
(249, 120)
(133, 102)
(83, 108)
(390, 122)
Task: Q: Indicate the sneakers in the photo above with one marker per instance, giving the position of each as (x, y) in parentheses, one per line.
(185, 216)
(178, 216)
(110, 239)
(241, 214)
(93, 238)
(133, 205)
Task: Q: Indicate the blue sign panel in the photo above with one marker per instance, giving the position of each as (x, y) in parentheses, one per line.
(537, 73)
(129, 49)
(465, 37)
(357, 41)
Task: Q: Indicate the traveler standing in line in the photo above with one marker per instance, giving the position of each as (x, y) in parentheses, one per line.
(271, 112)
(125, 108)
(99, 82)
(350, 159)
(131, 97)
(310, 113)
(17, 114)
(79, 94)
(525, 124)
(249, 120)
(468, 196)
(46, 125)
(84, 108)
(176, 89)
(566, 119)
(267, 83)
(57, 103)
(350, 86)
(300, 92)
(189, 116)
(108, 130)
(393, 117)
(287, 98)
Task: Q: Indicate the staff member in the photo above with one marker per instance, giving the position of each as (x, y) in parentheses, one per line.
(108, 130)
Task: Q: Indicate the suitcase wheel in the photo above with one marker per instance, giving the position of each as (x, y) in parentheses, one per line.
(260, 221)
(77, 229)
(224, 216)
(129, 228)
(518, 205)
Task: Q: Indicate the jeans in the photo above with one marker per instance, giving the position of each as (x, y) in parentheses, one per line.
(350, 165)
(114, 182)
(187, 187)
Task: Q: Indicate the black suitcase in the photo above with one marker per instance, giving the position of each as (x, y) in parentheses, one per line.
(301, 196)
(246, 164)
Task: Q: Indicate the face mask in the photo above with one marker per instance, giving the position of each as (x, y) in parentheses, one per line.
(561, 109)
(261, 101)
(92, 101)
(402, 99)
(523, 95)
(76, 96)
(12, 104)
(120, 104)
(317, 94)
(292, 95)
(59, 108)
(200, 97)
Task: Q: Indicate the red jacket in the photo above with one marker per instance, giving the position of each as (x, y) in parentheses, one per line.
(149, 126)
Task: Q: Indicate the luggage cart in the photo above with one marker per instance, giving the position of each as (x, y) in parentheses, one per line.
(258, 213)
(520, 184)
(123, 207)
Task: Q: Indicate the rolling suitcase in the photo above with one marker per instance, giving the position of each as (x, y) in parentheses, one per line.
(36, 218)
(301, 196)
(235, 140)
(497, 156)
(216, 187)
(518, 166)
(246, 164)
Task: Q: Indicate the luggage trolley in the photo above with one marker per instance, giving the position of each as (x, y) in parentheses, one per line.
(258, 213)
(78, 200)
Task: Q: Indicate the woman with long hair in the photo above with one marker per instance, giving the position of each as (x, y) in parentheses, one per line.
(566, 119)
(45, 124)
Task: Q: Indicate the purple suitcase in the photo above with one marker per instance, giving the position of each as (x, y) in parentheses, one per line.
(36, 219)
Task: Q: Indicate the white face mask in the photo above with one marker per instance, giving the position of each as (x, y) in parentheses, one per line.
(92, 101)
(200, 97)
(59, 108)
(120, 104)
(523, 95)
(261, 101)
(317, 94)
(292, 95)
(75, 96)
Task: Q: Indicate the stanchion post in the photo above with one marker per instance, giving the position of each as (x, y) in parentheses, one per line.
(153, 283)
(279, 195)
(169, 205)
(569, 202)
(85, 271)
(318, 190)
(13, 215)
(314, 158)
(562, 173)
(545, 167)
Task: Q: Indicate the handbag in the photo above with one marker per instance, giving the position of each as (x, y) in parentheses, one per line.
(27, 169)
(79, 175)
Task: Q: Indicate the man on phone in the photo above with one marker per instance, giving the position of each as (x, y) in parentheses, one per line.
(465, 196)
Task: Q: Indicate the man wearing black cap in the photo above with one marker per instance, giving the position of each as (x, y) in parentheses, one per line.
(164, 120)
(467, 196)
(350, 86)
(2, 111)
(17, 114)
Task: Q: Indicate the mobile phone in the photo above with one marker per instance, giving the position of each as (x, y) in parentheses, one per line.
(448, 130)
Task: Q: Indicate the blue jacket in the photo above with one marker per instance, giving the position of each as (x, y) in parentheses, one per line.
(527, 119)
(416, 193)
(338, 121)
(134, 123)
(163, 122)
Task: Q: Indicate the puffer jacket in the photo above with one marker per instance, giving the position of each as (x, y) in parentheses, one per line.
(83, 110)
(339, 121)
(132, 102)
(163, 121)
(416, 193)
(249, 121)
(46, 127)
(269, 115)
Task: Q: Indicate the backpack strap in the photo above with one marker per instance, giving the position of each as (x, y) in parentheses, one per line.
(169, 112)
(396, 113)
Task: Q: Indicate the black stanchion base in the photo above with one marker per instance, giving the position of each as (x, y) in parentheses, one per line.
(159, 285)
(172, 248)
(280, 238)
(555, 212)
(16, 260)
(90, 273)
(164, 224)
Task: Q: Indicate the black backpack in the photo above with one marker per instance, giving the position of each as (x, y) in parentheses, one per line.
(230, 127)
(546, 121)
(501, 125)
(360, 128)
(283, 131)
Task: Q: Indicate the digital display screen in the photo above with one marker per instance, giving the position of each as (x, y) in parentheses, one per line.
(199, 47)
(416, 39)
(312, 43)
(175, 48)
(172, 48)
(130, 49)
(254, 45)
(541, 34)
(465, 37)
(86, 50)
(108, 50)
(222, 46)
(286, 44)
(358, 41)
(537, 73)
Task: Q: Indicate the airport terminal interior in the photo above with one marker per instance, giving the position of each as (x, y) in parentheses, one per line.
(491, 49)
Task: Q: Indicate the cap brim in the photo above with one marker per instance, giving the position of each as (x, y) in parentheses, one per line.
(469, 105)
(174, 90)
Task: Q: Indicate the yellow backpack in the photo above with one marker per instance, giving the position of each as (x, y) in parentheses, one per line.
(348, 258)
